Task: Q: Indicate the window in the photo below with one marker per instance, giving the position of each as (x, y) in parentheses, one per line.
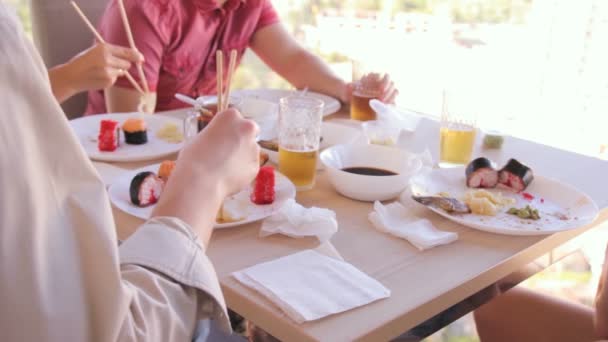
(528, 65)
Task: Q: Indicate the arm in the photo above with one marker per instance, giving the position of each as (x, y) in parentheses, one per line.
(95, 68)
(294, 63)
(76, 285)
(303, 69)
(601, 303)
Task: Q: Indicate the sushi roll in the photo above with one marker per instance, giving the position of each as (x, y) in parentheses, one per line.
(145, 189)
(515, 176)
(108, 138)
(165, 169)
(135, 131)
(481, 173)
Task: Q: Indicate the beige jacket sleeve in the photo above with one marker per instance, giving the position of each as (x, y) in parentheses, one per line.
(62, 276)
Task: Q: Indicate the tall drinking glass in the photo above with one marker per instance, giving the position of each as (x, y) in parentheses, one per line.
(457, 130)
(367, 85)
(299, 134)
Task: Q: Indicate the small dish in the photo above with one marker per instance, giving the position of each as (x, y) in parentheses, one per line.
(381, 133)
(369, 187)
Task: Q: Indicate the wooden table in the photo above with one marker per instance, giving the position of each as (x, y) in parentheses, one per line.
(422, 284)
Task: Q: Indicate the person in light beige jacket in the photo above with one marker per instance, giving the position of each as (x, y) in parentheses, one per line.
(63, 276)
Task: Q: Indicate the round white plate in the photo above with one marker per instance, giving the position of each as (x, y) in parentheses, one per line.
(561, 206)
(332, 133)
(87, 129)
(274, 95)
(284, 190)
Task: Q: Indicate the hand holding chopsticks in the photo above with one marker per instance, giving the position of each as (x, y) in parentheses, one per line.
(101, 40)
(223, 99)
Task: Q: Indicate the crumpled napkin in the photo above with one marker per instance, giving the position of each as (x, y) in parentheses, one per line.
(295, 220)
(395, 117)
(399, 221)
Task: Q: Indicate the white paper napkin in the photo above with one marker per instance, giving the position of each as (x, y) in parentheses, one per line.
(309, 285)
(296, 221)
(397, 220)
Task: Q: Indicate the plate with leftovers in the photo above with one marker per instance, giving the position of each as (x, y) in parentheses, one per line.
(128, 137)
(511, 200)
(330, 105)
(136, 193)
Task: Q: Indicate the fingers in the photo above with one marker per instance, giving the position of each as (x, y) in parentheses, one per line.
(389, 93)
(390, 96)
(125, 53)
(118, 63)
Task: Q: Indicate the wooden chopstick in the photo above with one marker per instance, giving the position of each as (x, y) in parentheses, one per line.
(125, 22)
(231, 67)
(101, 40)
(219, 61)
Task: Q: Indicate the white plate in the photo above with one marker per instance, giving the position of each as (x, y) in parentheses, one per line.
(284, 190)
(550, 198)
(332, 133)
(87, 129)
(331, 105)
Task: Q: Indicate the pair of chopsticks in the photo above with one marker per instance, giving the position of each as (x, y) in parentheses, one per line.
(125, 21)
(223, 99)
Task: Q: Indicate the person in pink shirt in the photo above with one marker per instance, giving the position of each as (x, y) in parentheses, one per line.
(179, 39)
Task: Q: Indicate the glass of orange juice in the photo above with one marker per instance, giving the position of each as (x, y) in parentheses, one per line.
(299, 135)
(457, 132)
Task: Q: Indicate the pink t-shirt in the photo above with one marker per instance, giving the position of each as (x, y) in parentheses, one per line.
(179, 39)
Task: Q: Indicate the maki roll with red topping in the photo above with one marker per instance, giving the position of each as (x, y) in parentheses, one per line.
(515, 176)
(145, 189)
(109, 135)
(481, 174)
(135, 131)
(263, 189)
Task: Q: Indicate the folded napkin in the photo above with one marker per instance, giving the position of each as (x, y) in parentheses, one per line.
(296, 221)
(397, 220)
(309, 285)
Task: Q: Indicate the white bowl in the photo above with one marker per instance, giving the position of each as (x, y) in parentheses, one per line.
(369, 188)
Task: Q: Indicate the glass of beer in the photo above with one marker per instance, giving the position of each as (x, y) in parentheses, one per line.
(299, 134)
(366, 88)
(457, 131)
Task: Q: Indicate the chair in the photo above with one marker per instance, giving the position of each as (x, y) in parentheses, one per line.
(60, 34)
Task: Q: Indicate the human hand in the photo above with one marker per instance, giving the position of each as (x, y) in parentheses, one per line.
(219, 161)
(388, 93)
(234, 154)
(99, 66)
(95, 68)
(601, 302)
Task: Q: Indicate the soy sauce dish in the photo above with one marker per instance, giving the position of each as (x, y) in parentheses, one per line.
(369, 172)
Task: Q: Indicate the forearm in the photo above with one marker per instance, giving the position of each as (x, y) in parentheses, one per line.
(304, 69)
(192, 197)
(62, 84)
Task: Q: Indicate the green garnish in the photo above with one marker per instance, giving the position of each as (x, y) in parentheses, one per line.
(526, 212)
(493, 141)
